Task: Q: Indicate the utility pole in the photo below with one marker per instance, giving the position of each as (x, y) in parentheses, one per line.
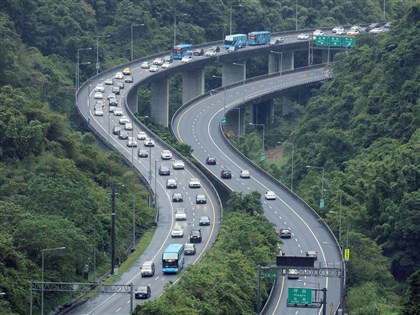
(113, 229)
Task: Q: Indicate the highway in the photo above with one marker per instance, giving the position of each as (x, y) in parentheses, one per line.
(308, 232)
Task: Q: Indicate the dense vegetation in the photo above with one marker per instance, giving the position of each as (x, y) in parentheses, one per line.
(54, 181)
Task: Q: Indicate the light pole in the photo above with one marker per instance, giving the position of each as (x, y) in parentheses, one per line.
(230, 17)
(224, 94)
(78, 63)
(242, 65)
(97, 50)
(263, 139)
(132, 48)
(113, 194)
(175, 15)
(322, 180)
(42, 273)
(296, 16)
(339, 212)
(293, 164)
(156, 196)
(281, 60)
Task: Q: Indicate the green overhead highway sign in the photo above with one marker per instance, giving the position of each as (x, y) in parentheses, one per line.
(335, 41)
(321, 40)
(300, 296)
(270, 275)
(321, 203)
(262, 159)
(224, 120)
(349, 41)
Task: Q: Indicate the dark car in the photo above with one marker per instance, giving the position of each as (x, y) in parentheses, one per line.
(211, 160)
(143, 153)
(116, 90)
(226, 174)
(116, 130)
(189, 249)
(195, 236)
(164, 170)
(216, 48)
(200, 198)
(128, 79)
(123, 135)
(204, 220)
(113, 102)
(372, 26)
(177, 197)
(143, 292)
(120, 85)
(199, 52)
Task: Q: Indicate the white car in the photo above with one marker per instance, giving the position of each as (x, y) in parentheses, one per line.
(245, 174)
(112, 109)
(99, 112)
(145, 65)
(100, 88)
(270, 195)
(98, 95)
(166, 155)
(149, 143)
(123, 120)
(131, 142)
(211, 53)
(178, 165)
(186, 59)
(317, 33)
(353, 32)
(171, 183)
(109, 81)
(376, 30)
(303, 36)
(293, 274)
(341, 32)
(141, 135)
(128, 126)
(180, 214)
(158, 61)
(194, 183)
(154, 68)
(177, 231)
(338, 29)
(118, 111)
(166, 65)
(119, 75)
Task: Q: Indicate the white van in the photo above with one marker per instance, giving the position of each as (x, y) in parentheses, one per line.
(148, 269)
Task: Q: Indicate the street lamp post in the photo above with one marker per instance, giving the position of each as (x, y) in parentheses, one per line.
(97, 50)
(230, 17)
(281, 60)
(113, 194)
(242, 65)
(132, 48)
(42, 273)
(77, 65)
(175, 15)
(317, 290)
(322, 180)
(263, 137)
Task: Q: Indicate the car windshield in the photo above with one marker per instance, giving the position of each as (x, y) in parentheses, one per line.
(142, 289)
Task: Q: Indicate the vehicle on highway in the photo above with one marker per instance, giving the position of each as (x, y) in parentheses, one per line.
(285, 233)
(131, 142)
(372, 26)
(245, 174)
(177, 231)
(116, 89)
(200, 199)
(119, 75)
(127, 71)
(116, 129)
(276, 41)
(98, 95)
(164, 170)
(118, 112)
(141, 135)
(204, 220)
(270, 195)
(123, 120)
(194, 183)
(180, 214)
(148, 269)
(128, 126)
(112, 108)
(173, 258)
(312, 253)
(303, 36)
(195, 236)
(232, 49)
(100, 88)
(177, 197)
(186, 59)
(211, 160)
(171, 183)
(143, 292)
(337, 29)
(292, 274)
(120, 85)
(149, 143)
(113, 102)
(317, 33)
(128, 79)
(165, 155)
(145, 65)
(210, 53)
(258, 38)
(189, 249)
(123, 135)
(109, 81)
(353, 33)
(99, 104)
(142, 153)
(154, 68)
(166, 65)
(181, 50)
(168, 59)
(236, 41)
(178, 165)
(199, 52)
(341, 32)
(226, 174)
(111, 95)
(99, 112)
(158, 61)
(376, 30)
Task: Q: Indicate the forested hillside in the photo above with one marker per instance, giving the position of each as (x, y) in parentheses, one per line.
(55, 182)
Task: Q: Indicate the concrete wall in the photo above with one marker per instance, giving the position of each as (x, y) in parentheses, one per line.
(159, 106)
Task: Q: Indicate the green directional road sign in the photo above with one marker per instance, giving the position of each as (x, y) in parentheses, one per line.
(270, 275)
(300, 296)
(262, 156)
(349, 41)
(335, 41)
(321, 40)
(322, 203)
(224, 120)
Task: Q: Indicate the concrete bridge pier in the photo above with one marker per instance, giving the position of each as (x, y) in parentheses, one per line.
(279, 62)
(159, 102)
(192, 84)
(233, 72)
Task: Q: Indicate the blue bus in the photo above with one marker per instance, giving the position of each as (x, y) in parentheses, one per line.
(259, 38)
(173, 258)
(235, 40)
(181, 50)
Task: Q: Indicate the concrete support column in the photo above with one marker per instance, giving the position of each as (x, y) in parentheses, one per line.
(273, 63)
(159, 103)
(286, 101)
(325, 55)
(232, 73)
(288, 60)
(192, 84)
